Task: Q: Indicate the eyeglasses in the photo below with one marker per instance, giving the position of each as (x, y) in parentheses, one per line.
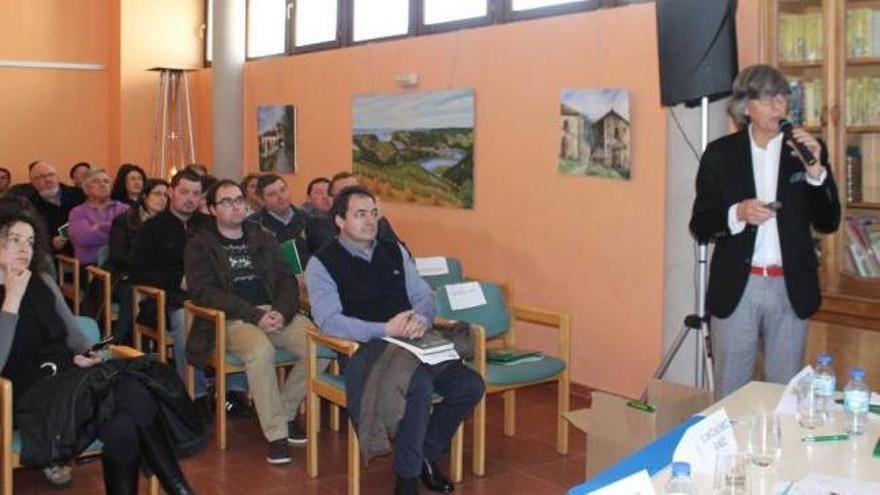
(769, 100)
(20, 241)
(228, 202)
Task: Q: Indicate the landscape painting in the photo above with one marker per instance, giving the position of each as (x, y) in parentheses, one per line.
(417, 147)
(276, 128)
(595, 133)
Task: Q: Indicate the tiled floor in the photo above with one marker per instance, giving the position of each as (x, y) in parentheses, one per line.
(524, 464)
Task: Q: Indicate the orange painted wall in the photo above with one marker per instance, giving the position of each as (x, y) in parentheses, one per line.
(59, 116)
(586, 246)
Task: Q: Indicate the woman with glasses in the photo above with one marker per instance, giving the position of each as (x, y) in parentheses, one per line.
(65, 395)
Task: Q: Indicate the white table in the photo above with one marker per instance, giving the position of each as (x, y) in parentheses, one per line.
(846, 459)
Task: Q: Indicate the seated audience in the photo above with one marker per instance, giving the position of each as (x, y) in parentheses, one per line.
(78, 172)
(317, 198)
(249, 186)
(158, 262)
(90, 222)
(53, 201)
(123, 234)
(55, 375)
(394, 302)
(5, 179)
(128, 184)
(237, 267)
(279, 216)
(321, 229)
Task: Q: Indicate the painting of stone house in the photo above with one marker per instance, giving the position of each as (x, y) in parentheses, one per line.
(595, 133)
(276, 138)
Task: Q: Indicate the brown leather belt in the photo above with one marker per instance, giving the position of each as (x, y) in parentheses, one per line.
(768, 271)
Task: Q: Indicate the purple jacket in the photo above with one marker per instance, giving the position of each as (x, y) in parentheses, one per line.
(90, 229)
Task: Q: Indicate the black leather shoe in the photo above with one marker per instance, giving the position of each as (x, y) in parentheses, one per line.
(435, 480)
(406, 486)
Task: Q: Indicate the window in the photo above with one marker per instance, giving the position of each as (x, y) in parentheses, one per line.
(536, 4)
(440, 11)
(380, 19)
(266, 27)
(315, 22)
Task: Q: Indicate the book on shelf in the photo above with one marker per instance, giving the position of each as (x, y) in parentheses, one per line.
(800, 37)
(863, 244)
(863, 32)
(853, 174)
(805, 101)
(512, 355)
(862, 100)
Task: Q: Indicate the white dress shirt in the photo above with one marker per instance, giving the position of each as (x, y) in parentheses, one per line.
(765, 168)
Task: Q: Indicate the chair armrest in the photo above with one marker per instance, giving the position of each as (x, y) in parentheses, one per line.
(124, 352)
(548, 318)
(6, 427)
(347, 347)
(479, 334)
(217, 318)
(64, 259)
(156, 293)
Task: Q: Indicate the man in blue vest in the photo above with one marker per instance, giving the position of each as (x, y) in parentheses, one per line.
(365, 288)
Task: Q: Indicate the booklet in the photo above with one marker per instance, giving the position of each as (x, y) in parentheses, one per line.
(64, 231)
(512, 355)
(430, 349)
(291, 255)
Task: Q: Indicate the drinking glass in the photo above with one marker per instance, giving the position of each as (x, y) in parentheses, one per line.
(731, 473)
(811, 407)
(765, 439)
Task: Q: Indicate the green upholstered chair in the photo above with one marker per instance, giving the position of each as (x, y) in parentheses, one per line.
(330, 386)
(454, 276)
(10, 441)
(494, 324)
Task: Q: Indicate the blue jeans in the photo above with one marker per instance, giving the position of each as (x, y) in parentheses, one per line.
(236, 382)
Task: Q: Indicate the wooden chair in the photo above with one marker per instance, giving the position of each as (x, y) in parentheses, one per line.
(331, 387)
(70, 290)
(494, 321)
(225, 363)
(10, 442)
(109, 312)
(159, 333)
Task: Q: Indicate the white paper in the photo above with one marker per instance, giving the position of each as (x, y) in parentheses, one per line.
(821, 484)
(439, 357)
(432, 266)
(465, 295)
(788, 402)
(701, 443)
(635, 484)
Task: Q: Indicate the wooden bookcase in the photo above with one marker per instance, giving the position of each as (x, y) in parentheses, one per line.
(833, 48)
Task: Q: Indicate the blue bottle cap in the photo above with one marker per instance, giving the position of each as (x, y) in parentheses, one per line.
(824, 359)
(857, 374)
(681, 469)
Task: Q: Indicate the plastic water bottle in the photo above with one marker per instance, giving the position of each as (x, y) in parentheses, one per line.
(856, 398)
(680, 483)
(825, 383)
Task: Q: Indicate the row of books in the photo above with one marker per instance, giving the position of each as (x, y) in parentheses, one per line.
(863, 245)
(800, 37)
(863, 32)
(806, 101)
(863, 169)
(862, 100)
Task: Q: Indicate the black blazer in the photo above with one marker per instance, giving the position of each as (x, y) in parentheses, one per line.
(725, 178)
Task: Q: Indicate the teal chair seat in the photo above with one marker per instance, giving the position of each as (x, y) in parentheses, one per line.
(96, 446)
(88, 327)
(493, 316)
(521, 373)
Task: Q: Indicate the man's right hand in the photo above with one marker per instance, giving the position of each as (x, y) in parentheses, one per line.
(397, 325)
(58, 242)
(753, 211)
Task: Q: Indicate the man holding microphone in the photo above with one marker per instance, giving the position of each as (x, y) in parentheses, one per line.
(760, 191)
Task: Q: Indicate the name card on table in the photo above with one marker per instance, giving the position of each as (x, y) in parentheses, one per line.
(788, 402)
(465, 295)
(432, 266)
(635, 484)
(701, 442)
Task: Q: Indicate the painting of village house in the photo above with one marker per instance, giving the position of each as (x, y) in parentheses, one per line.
(416, 147)
(277, 132)
(595, 133)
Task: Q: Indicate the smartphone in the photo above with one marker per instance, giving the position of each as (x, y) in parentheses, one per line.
(100, 345)
(774, 205)
(64, 231)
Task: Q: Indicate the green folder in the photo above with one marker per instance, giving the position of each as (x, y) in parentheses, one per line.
(291, 255)
(512, 355)
(64, 231)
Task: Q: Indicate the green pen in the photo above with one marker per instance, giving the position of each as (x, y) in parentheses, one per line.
(641, 406)
(825, 438)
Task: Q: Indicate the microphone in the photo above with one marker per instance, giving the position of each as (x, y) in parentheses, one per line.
(786, 127)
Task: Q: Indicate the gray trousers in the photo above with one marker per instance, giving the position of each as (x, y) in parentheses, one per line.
(764, 311)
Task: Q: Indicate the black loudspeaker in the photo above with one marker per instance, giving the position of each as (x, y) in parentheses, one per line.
(697, 47)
